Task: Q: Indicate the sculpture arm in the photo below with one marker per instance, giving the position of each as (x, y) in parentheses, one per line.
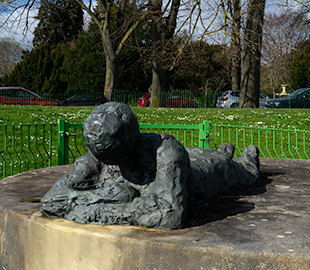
(161, 204)
(84, 176)
(165, 201)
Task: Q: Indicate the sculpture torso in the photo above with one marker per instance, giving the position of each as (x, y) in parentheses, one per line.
(155, 179)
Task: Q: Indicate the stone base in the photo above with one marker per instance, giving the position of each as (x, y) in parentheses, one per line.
(265, 228)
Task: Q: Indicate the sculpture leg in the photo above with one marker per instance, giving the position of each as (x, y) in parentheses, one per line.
(250, 159)
(215, 173)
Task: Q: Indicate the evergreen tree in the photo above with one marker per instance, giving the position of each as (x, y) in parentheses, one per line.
(135, 69)
(41, 68)
(83, 66)
(40, 71)
(59, 21)
(300, 70)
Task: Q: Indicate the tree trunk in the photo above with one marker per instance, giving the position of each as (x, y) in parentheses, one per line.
(112, 66)
(162, 30)
(111, 76)
(250, 77)
(235, 47)
(156, 31)
(158, 86)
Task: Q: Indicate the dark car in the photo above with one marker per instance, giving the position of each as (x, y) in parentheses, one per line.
(22, 96)
(298, 99)
(86, 99)
(171, 101)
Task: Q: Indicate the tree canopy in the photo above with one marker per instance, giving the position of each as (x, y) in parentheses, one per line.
(299, 76)
(58, 21)
(127, 40)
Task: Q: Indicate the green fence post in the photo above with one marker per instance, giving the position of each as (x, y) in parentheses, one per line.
(204, 132)
(62, 143)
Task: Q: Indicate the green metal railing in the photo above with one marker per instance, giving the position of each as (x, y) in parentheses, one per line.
(271, 142)
(126, 96)
(26, 147)
(71, 144)
(188, 135)
(204, 99)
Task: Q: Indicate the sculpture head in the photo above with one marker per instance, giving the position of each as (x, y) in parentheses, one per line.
(111, 132)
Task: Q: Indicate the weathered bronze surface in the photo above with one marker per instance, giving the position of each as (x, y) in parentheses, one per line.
(132, 178)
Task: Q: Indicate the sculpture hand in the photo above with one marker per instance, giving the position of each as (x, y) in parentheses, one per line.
(116, 193)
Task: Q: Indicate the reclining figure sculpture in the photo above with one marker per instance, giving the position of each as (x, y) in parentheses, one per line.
(132, 178)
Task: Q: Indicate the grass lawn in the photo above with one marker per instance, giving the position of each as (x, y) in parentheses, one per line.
(276, 118)
(30, 147)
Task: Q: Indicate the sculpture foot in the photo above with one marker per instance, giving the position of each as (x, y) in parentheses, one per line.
(250, 160)
(251, 154)
(227, 149)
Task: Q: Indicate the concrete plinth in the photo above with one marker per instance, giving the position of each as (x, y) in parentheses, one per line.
(268, 227)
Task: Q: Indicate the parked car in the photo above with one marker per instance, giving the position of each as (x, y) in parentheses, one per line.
(86, 99)
(144, 101)
(231, 99)
(22, 96)
(171, 101)
(298, 99)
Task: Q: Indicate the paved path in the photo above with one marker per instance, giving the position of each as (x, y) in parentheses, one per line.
(267, 227)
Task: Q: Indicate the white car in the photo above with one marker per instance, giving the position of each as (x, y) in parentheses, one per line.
(230, 99)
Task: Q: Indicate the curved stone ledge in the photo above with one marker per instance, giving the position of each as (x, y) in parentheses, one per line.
(265, 229)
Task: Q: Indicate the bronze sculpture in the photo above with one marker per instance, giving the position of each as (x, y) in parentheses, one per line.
(132, 178)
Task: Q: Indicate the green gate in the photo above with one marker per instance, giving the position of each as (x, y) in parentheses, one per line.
(71, 143)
